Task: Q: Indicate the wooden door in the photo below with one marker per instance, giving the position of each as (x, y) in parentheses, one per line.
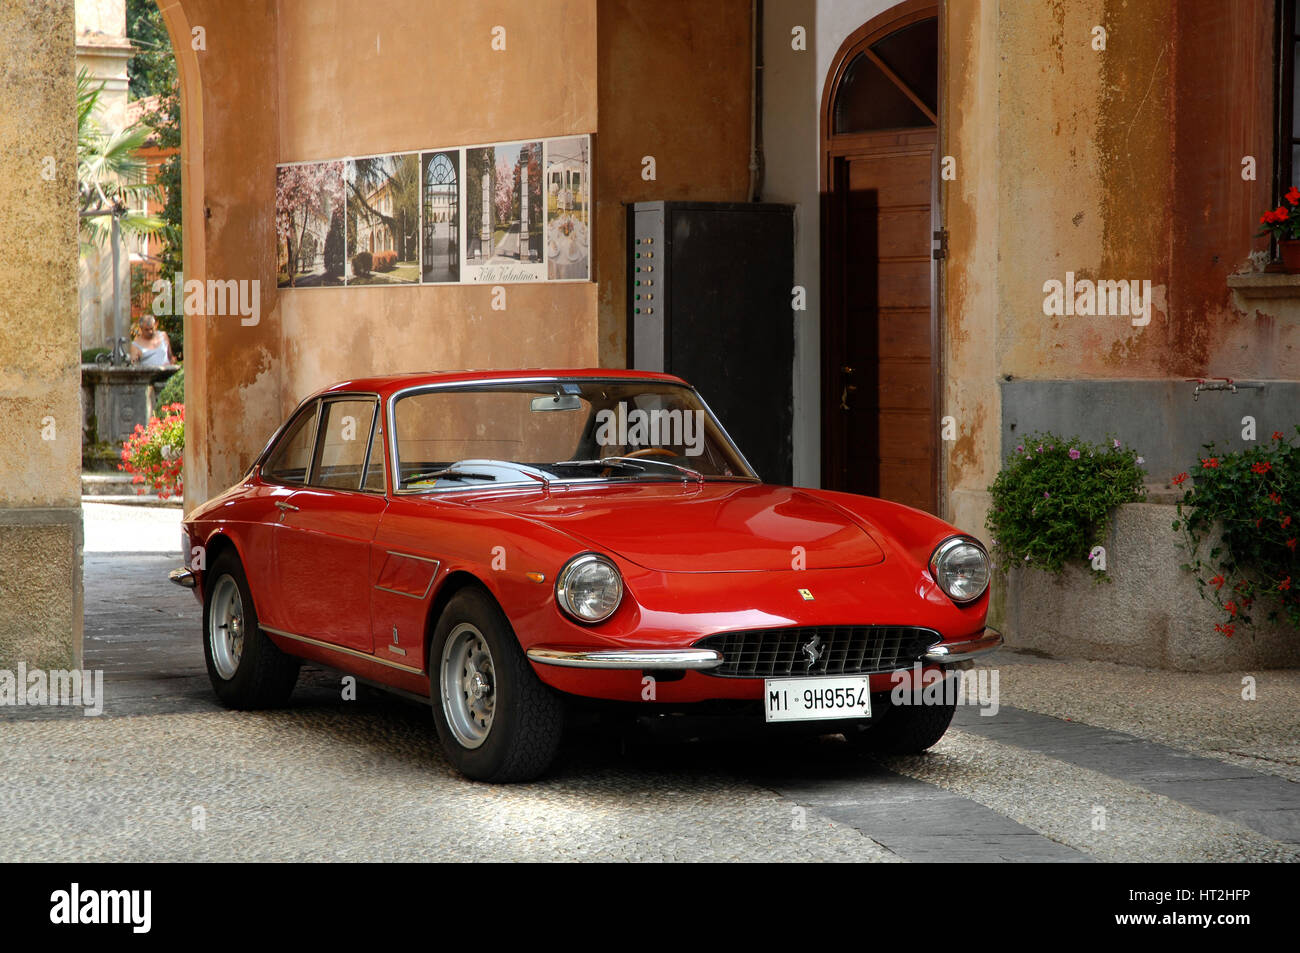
(880, 368)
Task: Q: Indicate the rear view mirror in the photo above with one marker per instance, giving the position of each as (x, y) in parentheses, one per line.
(556, 402)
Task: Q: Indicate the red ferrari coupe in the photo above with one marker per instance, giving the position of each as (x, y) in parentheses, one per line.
(505, 543)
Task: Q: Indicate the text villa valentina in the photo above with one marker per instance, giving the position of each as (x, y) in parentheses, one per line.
(72, 689)
(1101, 298)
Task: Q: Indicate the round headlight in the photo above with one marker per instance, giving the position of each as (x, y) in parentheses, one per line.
(589, 588)
(961, 568)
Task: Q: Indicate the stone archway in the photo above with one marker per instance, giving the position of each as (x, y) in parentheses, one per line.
(226, 59)
(180, 32)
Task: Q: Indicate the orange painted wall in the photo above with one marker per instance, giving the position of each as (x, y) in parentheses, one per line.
(674, 80)
(294, 80)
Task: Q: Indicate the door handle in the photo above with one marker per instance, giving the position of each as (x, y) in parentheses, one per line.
(285, 506)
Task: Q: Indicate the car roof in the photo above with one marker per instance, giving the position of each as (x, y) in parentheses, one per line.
(386, 385)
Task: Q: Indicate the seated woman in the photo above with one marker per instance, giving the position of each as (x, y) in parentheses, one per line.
(151, 347)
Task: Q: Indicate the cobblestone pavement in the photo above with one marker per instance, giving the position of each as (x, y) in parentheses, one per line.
(1083, 761)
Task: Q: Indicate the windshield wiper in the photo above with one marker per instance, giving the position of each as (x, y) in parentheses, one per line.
(447, 473)
(637, 463)
(630, 464)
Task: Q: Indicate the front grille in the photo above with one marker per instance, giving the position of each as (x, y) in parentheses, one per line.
(839, 650)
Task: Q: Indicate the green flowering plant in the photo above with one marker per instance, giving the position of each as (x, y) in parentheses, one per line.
(155, 453)
(1053, 501)
(1252, 497)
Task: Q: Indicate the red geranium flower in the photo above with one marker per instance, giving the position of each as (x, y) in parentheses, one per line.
(1285, 584)
(1277, 435)
(1217, 582)
(1210, 463)
(1261, 468)
(1293, 195)
(1180, 479)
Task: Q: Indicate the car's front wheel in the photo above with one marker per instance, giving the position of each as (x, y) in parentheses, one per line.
(495, 718)
(247, 671)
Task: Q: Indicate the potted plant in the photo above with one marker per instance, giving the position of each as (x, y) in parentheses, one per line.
(1054, 499)
(1283, 223)
(1239, 506)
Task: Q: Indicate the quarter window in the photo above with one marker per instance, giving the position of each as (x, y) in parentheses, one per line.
(375, 462)
(344, 439)
(291, 457)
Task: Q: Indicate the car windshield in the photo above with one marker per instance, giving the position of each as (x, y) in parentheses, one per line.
(559, 430)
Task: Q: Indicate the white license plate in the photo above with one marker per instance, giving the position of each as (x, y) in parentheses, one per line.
(815, 699)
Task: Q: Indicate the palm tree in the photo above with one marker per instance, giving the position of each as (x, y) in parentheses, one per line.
(110, 173)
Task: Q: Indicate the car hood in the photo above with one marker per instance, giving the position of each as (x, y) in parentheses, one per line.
(710, 527)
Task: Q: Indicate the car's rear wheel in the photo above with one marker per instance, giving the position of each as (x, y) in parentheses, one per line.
(247, 671)
(495, 718)
(903, 729)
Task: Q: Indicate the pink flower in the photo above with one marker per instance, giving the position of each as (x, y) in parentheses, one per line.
(1074, 454)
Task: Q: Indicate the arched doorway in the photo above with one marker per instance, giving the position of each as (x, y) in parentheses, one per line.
(880, 340)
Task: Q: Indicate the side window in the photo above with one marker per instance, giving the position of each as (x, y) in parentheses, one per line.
(291, 457)
(375, 467)
(344, 437)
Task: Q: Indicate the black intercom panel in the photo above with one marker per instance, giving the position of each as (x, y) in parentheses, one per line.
(710, 292)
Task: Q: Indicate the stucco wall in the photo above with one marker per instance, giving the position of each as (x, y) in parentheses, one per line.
(415, 75)
(288, 81)
(1123, 163)
(40, 386)
(674, 82)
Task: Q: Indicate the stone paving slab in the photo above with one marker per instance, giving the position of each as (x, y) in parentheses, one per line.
(1107, 818)
(1269, 805)
(1212, 714)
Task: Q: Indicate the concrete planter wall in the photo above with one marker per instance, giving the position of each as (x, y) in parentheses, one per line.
(1150, 613)
(115, 399)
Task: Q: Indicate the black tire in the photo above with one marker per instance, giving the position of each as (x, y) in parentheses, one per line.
(263, 676)
(903, 729)
(527, 718)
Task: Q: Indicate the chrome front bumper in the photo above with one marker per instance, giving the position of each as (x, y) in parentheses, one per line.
(945, 653)
(183, 577)
(640, 659)
(952, 652)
